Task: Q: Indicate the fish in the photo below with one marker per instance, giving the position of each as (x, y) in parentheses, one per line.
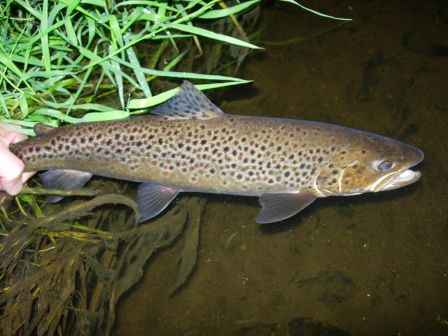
(189, 145)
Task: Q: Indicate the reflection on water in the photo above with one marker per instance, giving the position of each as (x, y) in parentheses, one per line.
(366, 265)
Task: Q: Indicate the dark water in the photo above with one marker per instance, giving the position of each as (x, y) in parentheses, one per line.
(368, 265)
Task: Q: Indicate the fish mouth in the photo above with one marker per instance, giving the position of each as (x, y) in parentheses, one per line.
(402, 177)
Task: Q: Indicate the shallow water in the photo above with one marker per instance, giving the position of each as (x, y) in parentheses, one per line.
(368, 265)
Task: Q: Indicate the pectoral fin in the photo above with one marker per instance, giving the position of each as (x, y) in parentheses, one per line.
(153, 198)
(276, 207)
(63, 179)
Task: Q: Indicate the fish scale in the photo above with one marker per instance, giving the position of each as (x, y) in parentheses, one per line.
(232, 155)
(189, 144)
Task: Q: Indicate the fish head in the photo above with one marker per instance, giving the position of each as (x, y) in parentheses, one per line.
(371, 163)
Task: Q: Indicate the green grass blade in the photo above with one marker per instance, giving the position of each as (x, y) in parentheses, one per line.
(314, 11)
(3, 105)
(44, 38)
(136, 67)
(117, 36)
(27, 6)
(23, 105)
(89, 117)
(212, 35)
(164, 96)
(221, 13)
(71, 34)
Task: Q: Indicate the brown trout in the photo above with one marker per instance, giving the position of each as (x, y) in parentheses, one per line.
(190, 145)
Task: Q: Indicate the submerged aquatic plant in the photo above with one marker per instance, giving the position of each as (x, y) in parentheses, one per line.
(60, 277)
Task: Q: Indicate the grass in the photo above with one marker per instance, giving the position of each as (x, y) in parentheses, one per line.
(58, 58)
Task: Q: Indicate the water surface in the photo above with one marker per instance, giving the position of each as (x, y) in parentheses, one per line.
(368, 265)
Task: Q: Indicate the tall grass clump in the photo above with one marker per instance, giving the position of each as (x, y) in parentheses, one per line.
(57, 58)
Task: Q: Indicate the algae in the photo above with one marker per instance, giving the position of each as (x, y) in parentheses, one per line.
(73, 285)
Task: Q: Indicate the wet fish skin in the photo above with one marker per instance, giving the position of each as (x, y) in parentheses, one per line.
(191, 145)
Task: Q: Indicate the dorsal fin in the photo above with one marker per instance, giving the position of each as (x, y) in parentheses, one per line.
(42, 128)
(189, 103)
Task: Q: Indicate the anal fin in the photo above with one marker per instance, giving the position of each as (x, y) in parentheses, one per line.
(153, 198)
(63, 179)
(279, 206)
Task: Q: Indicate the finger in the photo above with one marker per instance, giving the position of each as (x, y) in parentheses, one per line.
(12, 187)
(11, 167)
(8, 135)
(10, 171)
(26, 176)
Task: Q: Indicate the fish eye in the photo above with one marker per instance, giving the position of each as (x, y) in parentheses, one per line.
(384, 166)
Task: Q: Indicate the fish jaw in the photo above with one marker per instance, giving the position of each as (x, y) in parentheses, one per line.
(402, 177)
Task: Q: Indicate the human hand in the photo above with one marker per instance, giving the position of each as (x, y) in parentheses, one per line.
(12, 176)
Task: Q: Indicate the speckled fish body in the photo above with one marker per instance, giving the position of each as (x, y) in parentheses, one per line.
(191, 145)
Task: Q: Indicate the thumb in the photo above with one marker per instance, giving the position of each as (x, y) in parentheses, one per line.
(12, 187)
(10, 171)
